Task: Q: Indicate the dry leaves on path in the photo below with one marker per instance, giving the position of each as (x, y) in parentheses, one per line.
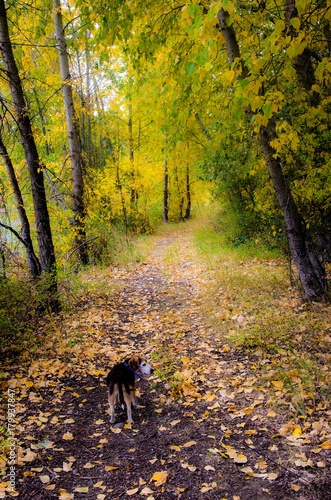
(208, 425)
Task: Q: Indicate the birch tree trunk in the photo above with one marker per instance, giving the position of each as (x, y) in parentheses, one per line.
(311, 272)
(35, 167)
(73, 138)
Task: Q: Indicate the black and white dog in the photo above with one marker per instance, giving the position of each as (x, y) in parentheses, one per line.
(121, 384)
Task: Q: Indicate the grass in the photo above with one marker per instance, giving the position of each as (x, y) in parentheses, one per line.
(250, 301)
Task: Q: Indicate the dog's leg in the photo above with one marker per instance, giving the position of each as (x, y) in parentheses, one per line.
(127, 399)
(111, 401)
(133, 399)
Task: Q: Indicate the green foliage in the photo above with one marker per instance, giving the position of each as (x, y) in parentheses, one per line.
(153, 83)
(220, 234)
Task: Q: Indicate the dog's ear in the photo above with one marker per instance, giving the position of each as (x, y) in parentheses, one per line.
(134, 363)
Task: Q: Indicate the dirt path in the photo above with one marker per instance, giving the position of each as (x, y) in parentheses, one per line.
(205, 429)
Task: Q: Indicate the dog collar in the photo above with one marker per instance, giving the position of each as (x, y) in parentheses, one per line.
(126, 364)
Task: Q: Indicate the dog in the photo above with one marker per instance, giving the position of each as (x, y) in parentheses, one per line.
(121, 384)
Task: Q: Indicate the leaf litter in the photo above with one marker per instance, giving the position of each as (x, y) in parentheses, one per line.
(208, 424)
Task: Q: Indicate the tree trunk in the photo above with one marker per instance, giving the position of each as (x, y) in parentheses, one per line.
(188, 194)
(44, 235)
(73, 138)
(165, 213)
(133, 193)
(33, 262)
(311, 272)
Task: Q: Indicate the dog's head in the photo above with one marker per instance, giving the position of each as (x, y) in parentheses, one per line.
(140, 363)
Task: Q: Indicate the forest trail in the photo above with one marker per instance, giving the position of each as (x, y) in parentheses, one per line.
(207, 427)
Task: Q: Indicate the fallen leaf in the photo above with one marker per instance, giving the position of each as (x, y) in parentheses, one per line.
(68, 436)
(189, 444)
(159, 477)
(81, 489)
(174, 422)
(110, 467)
(132, 492)
(240, 459)
(146, 491)
(116, 430)
(44, 479)
(326, 445)
(278, 384)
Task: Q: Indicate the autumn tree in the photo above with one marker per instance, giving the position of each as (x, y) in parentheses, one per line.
(35, 166)
(76, 156)
(311, 271)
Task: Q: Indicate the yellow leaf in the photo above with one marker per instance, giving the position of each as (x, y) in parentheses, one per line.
(229, 75)
(64, 495)
(132, 492)
(110, 467)
(240, 459)
(116, 430)
(278, 384)
(295, 487)
(181, 490)
(185, 360)
(88, 466)
(160, 477)
(98, 484)
(81, 489)
(189, 444)
(262, 464)
(205, 488)
(174, 422)
(68, 436)
(247, 470)
(175, 447)
(326, 445)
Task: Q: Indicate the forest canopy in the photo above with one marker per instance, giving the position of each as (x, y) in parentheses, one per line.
(121, 115)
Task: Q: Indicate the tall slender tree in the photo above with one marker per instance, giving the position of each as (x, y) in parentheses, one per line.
(76, 156)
